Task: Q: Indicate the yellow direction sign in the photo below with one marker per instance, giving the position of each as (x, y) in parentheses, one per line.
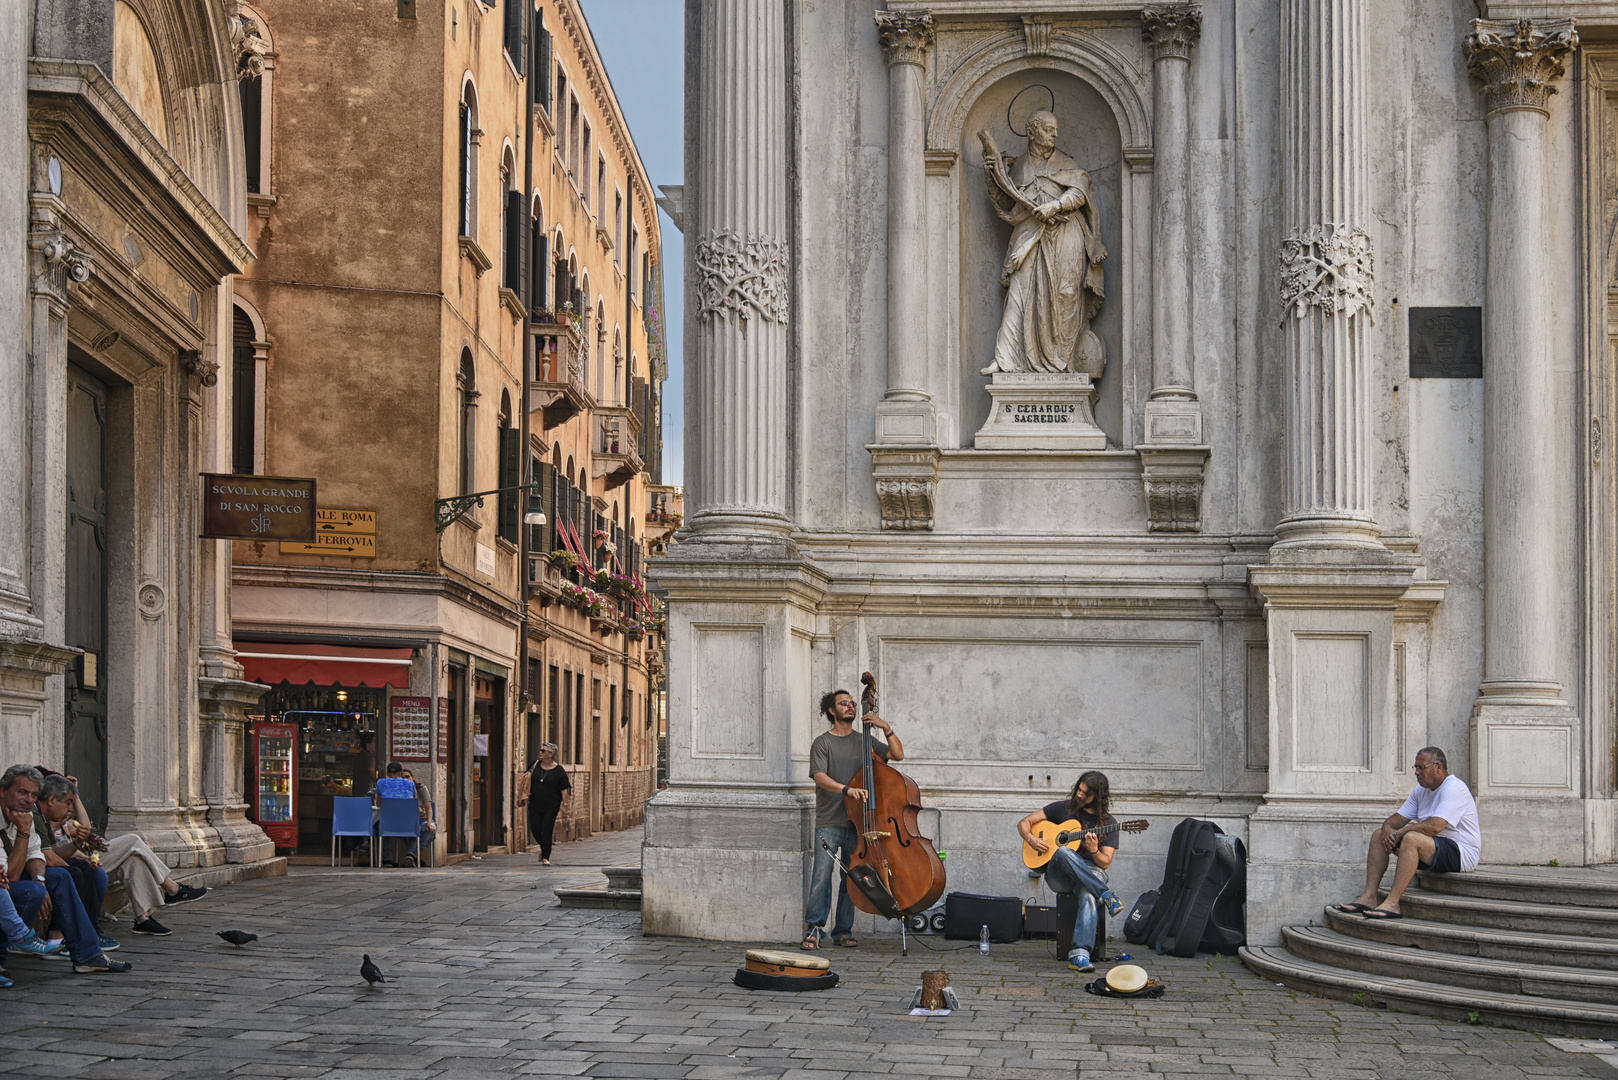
(346, 522)
(350, 533)
(355, 547)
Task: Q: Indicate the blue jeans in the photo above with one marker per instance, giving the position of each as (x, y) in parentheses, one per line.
(67, 911)
(820, 882)
(91, 881)
(12, 928)
(1068, 872)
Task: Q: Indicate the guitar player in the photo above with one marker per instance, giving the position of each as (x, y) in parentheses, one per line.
(1082, 872)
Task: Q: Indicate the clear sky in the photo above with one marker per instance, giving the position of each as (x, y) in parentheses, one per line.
(642, 43)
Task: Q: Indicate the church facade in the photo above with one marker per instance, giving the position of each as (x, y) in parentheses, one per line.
(1216, 395)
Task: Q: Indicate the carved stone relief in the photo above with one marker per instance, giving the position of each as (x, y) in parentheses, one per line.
(1328, 266)
(1171, 31)
(741, 275)
(906, 486)
(905, 37)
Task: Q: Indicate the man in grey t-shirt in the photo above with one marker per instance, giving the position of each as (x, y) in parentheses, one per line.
(835, 761)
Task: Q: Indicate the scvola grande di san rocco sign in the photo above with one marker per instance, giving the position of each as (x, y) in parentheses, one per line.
(238, 507)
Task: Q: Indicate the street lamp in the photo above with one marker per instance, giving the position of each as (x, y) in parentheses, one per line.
(453, 507)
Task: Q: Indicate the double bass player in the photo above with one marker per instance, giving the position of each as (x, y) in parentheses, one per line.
(835, 761)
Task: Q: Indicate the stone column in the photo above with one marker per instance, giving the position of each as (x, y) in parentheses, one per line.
(1525, 736)
(1326, 275)
(1331, 591)
(1172, 452)
(738, 270)
(905, 455)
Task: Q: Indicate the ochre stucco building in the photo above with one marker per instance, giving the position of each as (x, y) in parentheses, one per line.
(455, 293)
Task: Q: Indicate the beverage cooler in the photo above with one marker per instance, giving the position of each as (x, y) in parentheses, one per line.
(275, 765)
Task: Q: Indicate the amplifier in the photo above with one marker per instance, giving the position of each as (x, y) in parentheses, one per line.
(966, 914)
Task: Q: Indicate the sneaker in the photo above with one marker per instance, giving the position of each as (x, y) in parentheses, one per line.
(106, 943)
(409, 859)
(1082, 963)
(186, 894)
(60, 950)
(1114, 905)
(36, 945)
(150, 926)
(5, 983)
(100, 965)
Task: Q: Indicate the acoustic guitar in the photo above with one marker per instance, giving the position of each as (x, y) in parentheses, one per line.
(1071, 834)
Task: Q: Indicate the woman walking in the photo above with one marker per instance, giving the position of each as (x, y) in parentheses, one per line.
(548, 791)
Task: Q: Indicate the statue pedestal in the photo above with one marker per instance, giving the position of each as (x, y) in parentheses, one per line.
(1041, 412)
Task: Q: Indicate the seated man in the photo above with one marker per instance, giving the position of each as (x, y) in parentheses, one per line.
(36, 889)
(147, 877)
(397, 785)
(1436, 830)
(1084, 872)
(61, 836)
(16, 934)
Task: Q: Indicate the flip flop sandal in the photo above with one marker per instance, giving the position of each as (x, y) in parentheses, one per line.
(847, 941)
(1352, 909)
(1381, 915)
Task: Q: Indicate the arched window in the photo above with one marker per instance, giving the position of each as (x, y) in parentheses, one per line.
(467, 384)
(470, 137)
(514, 235)
(246, 431)
(620, 389)
(510, 514)
(539, 256)
(255, 88)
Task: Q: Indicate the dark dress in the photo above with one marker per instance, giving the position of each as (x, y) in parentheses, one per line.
(545, 790)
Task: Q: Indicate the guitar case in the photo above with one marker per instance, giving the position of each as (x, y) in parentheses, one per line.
(1200, 904)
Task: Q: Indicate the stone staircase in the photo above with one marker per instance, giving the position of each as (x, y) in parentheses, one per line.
(1530, 947)
(620, 891)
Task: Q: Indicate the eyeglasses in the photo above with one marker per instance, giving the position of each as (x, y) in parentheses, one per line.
(1429, 765)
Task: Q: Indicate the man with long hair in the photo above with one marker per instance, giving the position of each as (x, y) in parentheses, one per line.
(1084, 872)
(835, 760)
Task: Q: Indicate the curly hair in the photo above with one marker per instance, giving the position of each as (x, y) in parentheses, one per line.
(828, 702)
(1100, 794)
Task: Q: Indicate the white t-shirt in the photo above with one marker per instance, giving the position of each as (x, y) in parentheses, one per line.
(36, 849)
(1452, 801)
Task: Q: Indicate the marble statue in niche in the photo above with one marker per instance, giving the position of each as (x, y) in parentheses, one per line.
(1053, 265)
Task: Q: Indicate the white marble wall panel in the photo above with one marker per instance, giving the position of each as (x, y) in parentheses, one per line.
(1332, 690)
(727, 689)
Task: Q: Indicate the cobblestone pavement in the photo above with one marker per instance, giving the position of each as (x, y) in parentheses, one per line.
(488, 977)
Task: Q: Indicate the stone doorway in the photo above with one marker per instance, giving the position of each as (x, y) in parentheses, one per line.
(86, 617)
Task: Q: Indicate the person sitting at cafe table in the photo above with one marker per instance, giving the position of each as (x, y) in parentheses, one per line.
(396, 785)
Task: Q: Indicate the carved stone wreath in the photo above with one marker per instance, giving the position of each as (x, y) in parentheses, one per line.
(742, 275)
(1329, 266)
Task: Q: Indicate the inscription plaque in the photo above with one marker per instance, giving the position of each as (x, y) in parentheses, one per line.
(1446, 343)
(236, 507)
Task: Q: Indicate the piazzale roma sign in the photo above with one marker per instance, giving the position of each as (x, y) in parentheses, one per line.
(238, 507)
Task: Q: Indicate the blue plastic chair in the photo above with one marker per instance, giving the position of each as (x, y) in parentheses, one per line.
(350, 816)
(401, 820)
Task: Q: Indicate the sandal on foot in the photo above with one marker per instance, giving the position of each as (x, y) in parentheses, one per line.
(847, 941)
(810, 943)
(1377, 914)
(1352, 909)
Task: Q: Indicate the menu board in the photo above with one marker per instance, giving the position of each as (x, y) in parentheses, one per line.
(411, 732)
(443, 730)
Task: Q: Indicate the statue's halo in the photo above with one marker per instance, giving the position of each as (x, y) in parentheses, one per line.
(1021, 129)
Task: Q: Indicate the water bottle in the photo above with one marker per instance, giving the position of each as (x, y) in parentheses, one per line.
(983, 940)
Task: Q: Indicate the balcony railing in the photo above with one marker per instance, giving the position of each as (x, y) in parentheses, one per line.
(556, 386)
(617, 450)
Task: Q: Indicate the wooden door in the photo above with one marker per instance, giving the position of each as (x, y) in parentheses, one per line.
(86, 616)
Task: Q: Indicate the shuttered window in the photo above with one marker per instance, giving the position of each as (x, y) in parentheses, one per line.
(243, 388)
(516, 249)
(540, 259)
(466, 170)
(511, 502)
(542, 538)
(517, 34)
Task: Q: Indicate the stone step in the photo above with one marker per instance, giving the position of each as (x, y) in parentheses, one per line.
(1327, 946)
(1567, 886)
(622, 877)
(1510, 946)
(1469, 1004)
(598, 895)
(1558, 919)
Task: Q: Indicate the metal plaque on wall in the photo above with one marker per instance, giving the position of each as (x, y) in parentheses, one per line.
(1446, 343)
(258, 507)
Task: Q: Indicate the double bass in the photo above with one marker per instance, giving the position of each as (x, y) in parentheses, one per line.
(893, 861)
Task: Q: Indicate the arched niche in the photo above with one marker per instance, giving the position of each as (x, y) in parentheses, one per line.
(1090, 136)
(1100, 103)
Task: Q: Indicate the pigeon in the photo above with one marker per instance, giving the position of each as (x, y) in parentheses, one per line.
(370, 972)
(237, 937)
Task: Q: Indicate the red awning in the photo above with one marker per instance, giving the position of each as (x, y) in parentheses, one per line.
(275, 662)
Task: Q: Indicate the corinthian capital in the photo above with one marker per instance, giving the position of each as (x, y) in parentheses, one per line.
(905, 37)
(1518, 61)
(1171, 31)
